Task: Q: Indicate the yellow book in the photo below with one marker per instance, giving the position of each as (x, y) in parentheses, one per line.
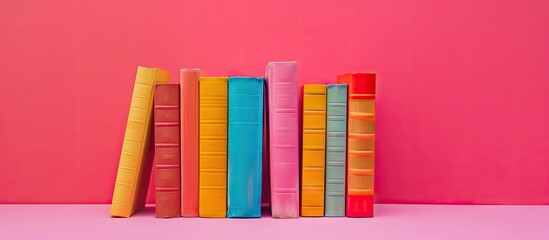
(212, 194)
(314, 148)
(134, 169)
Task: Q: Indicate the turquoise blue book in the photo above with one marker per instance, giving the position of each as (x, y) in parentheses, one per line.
(336, 144)
(245, 151)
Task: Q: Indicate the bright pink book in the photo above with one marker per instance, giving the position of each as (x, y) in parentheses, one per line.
(281, 81)
(189, 141)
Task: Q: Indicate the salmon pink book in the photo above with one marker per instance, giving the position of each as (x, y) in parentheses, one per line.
(281, 81)
(189, 141)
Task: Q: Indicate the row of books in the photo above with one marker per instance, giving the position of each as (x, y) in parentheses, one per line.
(211, 136)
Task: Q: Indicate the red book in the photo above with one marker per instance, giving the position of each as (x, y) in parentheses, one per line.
(167, 150)
(360, 143)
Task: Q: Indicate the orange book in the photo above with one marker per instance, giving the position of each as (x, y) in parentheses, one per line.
(134, 169)
(314, 149)
(189, 141)
(361, 141)
(213, 147)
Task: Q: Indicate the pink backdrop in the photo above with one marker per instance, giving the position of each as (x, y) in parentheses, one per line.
(463, 86)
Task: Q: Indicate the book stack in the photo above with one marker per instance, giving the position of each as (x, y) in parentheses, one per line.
(218, 140)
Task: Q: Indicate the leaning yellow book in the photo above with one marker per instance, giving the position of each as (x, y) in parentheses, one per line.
(212, 193)
(134, 169)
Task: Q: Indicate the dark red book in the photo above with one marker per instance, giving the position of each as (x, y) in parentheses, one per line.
(167, 150)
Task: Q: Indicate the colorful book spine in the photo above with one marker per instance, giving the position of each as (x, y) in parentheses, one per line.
(281, 81)
(213, 147)
(245, 147)
(189, 141)
(134, 169)
(167, 150)
(314, 150)
(360, 143)
(336, 148)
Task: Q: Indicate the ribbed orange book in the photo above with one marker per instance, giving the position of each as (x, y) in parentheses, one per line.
(212, 193)
(167, 150)
(361, 139)
(189, 141)
(313, 164)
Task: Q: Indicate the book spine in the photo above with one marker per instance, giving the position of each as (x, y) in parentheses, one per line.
(167, 150)
(336, 147)
(314, 150)
(266, 179)
(213, 147)
(281, 80)
(360, 145)
(189, 141)
(245, 153)
(134, 169)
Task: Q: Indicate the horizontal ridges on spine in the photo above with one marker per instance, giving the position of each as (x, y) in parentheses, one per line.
(213, 147)
(361, 141)
(167, 151)
(336, 138)
(131, 180)
(281, 80)
(314, 134)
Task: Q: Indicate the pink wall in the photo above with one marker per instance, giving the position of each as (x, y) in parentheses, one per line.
(463, 113)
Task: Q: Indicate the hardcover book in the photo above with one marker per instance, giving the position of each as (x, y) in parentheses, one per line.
(360, 143)
(189, 141)
(266, 179)
(134, 169)
(314, 146)
(213, 147)
(167, 150)
(281, 81)
(245, 153)
(336, 148)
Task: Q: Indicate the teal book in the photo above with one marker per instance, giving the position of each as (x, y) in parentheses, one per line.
(245, 151)
(336, 145)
